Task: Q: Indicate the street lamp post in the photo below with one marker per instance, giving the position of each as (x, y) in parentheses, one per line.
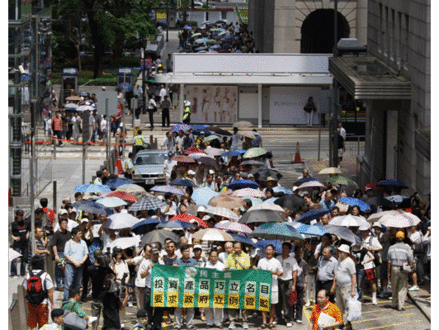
(167, 22)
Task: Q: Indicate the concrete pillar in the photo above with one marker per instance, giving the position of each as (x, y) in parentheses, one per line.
(260, 105)
(180, 106)
(362, 21)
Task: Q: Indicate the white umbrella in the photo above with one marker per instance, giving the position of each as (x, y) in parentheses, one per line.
(267, 206)
(234, 226)
(13, 254)
(125, 242)
(331, 170)
(248, 134)
(222, 212)
(402, 220)
(244, 192)
(212, 234)
(377, 216)
(197, 155)
(348, 221)
(214, 151)
(111, 202)
(85, 108)
(71, 106)
(121, 221)
(311, 184)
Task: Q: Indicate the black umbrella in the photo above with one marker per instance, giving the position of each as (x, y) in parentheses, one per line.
(223, 132)
(379, 201)
(263, 174)
(159, 235)
(343, 233)
(290, 202)
(261, 216)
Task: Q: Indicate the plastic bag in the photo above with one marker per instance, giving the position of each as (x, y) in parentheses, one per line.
(354, 313)
(293, 298)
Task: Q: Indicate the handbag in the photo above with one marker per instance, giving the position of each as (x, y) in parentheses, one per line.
(307, 108)
(406, 268)
(293, 298)
(74, 322)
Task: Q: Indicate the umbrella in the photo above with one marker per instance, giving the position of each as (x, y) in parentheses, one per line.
(252, 162)
(187, 27)
(392, 183)
(168, 189)
(242, 238)
(248, 192)
(222, 132)
(311, 184)
(286, 191)
(351, 201)
(177, 224)
(74, 106)
(131, 188)
(266, 206)
(147, 204)
(214, 151)
(92, 188)
(223, 212)
(348, 221)
(189, 218)
(343, 233)
(211, 42)
(13, 254)
(248, 134)
(254, 201)
(398, 199)
(214, 47)
(207, 161)
(211, 138)
(183, 159)
(254, 152)
(127, 197)
(74, 98)
(290, 202)
(113, 184)
(196, 35)
(145, 226)
(120, 221)
(379, 201)
(239, 184)
(111, 202)
(124, 242)
(342, 180)
(312, 215)
(278, 231)
(200, 41)
(271, 200)
(202, 196)
(217, 29)
(226, 201)
(234, 226)
(331, 170)
(308, 230)
(300, 181)
(401, 220)
(261, 216)
(192, 150)
(128, 87)
(180, 127)
(197, 155)
(91, 207)
(212, 234)
(263, 174)
(183, 182)
(242, 124)
(377, 216)
(262, 244)
(364, 226)
(234, 153)
(159, 235)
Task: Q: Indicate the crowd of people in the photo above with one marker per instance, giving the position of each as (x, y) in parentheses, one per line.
(324, 270)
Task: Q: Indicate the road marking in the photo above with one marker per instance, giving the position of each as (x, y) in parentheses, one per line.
(384, 317)
(392, 325)
(383, 310)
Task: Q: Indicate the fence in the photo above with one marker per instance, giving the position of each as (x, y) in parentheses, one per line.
(354, 144)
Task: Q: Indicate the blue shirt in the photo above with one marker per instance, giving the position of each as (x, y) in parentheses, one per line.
(76, 251)
(328, 207)
(191, 262)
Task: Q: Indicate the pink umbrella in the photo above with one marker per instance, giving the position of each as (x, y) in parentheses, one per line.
(234, 226)
(311, 184)
(248, 192)
(214, 151)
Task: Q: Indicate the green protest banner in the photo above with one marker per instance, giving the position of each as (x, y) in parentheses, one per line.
(202, 287)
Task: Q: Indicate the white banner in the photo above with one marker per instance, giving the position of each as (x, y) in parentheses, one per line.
(213, 104)
(286, 104)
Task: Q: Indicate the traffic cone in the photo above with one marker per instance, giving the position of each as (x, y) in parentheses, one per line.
(119, 167)
(297, 156)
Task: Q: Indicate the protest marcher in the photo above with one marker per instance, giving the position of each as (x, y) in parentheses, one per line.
(326, 265)
(300, 284)
(73, 305)
(129, 166)
(214, 315)
(58, 242)
(325, 306)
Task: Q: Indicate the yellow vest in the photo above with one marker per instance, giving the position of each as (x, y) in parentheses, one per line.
(138, 140)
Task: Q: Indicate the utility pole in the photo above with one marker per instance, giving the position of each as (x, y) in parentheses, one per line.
(333, 136)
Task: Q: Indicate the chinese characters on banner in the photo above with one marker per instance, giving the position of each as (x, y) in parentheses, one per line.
(201, 287)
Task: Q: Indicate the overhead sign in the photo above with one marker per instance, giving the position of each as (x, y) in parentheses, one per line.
(70, 71)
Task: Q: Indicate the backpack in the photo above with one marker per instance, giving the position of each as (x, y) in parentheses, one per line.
(35, 291)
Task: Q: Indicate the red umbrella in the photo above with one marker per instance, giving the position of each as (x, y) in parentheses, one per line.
(127, 197)
(373, 185)
(189, 218)
(193, 150)
(183, 159)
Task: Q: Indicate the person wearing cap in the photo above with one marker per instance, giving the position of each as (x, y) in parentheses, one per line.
(200, 141)
(64, 214)
(20, 231)
(345, 281)
(399, 254)
(142, 320)
(197, 250)
(139, 142)
(191, 176)
(155, 314)
(57, 316)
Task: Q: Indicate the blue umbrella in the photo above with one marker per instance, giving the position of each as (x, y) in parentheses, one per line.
(202, 196)
(215, 47)
(199, 128)
(145, 226)
(183, 182)
(271, 200)
(92, 188)
(312, 215)
(286, 191)
(168, 189)
(187, 27)
(176, 224)
(307, 229)
(392, 183)
(255, 201)
(276, 230)
(242, 238)
(351, 201)
(300, 181)
(180, 127)
(113, 184)
(128, 87)
(239, 184)
(262, 244)
(237, 152)
(396, 198)
(90, 206)
(146, 204)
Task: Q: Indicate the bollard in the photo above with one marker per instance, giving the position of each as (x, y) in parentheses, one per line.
(22, 307)
(54, 195)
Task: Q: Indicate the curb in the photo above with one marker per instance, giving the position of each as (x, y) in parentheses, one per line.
(419, 306)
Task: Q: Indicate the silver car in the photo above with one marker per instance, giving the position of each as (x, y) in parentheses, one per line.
(149, 165)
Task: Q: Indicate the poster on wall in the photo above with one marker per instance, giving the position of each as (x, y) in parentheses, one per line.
(286, 104)
(213, 104)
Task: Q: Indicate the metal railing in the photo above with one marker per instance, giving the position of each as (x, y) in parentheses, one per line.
(354, 144)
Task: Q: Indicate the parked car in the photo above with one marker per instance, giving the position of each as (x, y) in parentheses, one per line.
(148, 167)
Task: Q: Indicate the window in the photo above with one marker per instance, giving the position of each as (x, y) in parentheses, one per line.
(223, 15)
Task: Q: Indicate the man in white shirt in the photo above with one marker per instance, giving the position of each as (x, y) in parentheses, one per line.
(167, 169)
(285, 283)
(342, 131)
(163, 93)
(228, 247)
(214, 315)
(140, 282)
(179, 143)
(275, 267)
(236, 138)
(168, 143)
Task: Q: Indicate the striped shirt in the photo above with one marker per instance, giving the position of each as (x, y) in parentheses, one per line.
(326, 269)
(399, 254)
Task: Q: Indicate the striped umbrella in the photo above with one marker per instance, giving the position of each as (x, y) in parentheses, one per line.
(168, 189)
(111, 202)
(254, 152)
(127, 197)
(147, 204)
(202, 196)
(351, 201)
(223, 212)
(92, 188)
(401, 220)
(248, 192)
(342, 180)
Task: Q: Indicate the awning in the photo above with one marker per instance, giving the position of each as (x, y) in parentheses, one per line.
(367, 78)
